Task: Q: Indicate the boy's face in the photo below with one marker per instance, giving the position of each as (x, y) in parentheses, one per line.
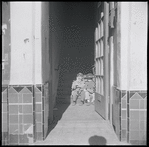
(79, 78)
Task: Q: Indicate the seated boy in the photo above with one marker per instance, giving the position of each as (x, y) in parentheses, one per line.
(78, 89)
(89, 89)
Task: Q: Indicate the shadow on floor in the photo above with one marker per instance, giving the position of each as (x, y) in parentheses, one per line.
(57, 115)
(97, 140)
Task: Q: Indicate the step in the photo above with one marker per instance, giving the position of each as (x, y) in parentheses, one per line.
(63, 93)
(65, 85)
(64, 89)
(63, 97)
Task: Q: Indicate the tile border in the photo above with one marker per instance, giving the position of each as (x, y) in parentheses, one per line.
(129, 94)
(31, 90)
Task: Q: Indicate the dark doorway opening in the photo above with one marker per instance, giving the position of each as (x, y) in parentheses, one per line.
(77, 50)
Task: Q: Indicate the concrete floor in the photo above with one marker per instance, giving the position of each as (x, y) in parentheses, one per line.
(79, 125)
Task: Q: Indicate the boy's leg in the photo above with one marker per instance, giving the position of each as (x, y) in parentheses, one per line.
(87, 95)
(82, 95)
(74, 96)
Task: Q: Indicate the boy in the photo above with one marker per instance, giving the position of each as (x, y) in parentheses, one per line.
(78, 89)
(89, 89)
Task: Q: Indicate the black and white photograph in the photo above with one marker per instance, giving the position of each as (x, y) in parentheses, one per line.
(74, 73)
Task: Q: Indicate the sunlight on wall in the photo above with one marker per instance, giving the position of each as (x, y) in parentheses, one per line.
(25, 43)
(134, 46)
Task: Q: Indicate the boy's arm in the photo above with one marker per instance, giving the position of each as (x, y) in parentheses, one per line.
(73, 87)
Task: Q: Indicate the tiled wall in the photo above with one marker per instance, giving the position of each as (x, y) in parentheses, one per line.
(23, 114)
(4, 114)
(137, 117)
(133, 113)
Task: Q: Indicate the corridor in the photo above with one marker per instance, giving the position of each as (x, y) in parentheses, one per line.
(79, 125)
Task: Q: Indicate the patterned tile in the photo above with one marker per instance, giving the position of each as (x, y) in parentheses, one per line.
(143, 125)
(38, 107)
(30, 88)
(38, 117)
(27, 109)
(142, 105)
(123, 114)
(20, 118)
(145, 103)
(13, 109)
(38, 97)
(123, 94)
(136, 96)
(143, 95)
(36, 89)
(123, 133)
(13, 119)
(123, 124)
(134, 142)
(4, 88)
(28, 118)
(14, 139)
(5, 138)
(23, 139)
(4, 117)
(134, 114)
(13, 129)
(26, 127)
(123, 103)
(124, 97)
(25, 90)
(39, 127)
(142, 135)
(39, 135)
(11, 90)
(134, 103)
(4, 96)
(131, 94)
(39, 87)
(134, 125)
(4, 127)
(142, 142)
(18, 89)
(27, 98)
(13, 97)
(4, 107)
(143, 115)
(134, 135)
(29, 130)
(42, 90)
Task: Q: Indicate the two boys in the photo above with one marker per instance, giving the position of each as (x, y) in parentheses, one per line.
(83, 88)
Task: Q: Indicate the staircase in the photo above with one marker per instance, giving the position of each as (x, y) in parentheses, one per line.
(64, 87)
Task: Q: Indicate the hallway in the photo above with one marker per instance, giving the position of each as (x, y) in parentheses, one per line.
(79, 125)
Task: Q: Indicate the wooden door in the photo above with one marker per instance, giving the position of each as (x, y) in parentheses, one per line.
(101, 60)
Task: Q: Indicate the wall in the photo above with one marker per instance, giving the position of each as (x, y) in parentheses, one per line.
(56, 18)
(25, 43)
(21, 49)
(28, 99)
(138, 46)
(132, 90)
(134, 46)
(5, 43)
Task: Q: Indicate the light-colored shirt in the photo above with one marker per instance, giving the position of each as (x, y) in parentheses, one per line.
(78, 84)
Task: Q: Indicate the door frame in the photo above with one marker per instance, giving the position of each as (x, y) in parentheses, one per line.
(102, 60)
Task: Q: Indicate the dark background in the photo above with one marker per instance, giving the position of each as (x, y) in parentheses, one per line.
(78, 36)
